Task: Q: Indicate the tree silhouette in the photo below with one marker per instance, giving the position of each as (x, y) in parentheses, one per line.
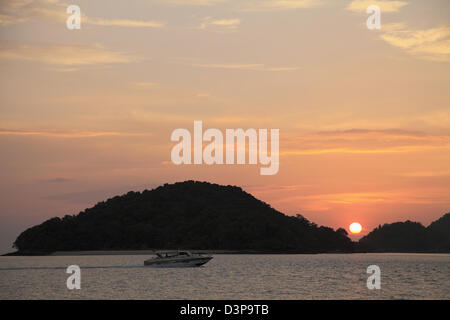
(192, 215)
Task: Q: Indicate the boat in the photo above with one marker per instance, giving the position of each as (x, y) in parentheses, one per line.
(177, 259)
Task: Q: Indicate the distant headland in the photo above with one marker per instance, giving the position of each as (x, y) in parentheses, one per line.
(204, 216)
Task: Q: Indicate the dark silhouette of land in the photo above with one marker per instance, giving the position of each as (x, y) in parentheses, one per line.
(201, 215)
(409, 237)
(194, 215)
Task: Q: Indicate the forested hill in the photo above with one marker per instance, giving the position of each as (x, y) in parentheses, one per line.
(409, 236)
(185, 215)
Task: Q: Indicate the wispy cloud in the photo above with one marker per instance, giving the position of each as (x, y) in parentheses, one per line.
(248, 66)
(293, 4)
(363, 141)
(55, 180)
(123, 23)
(385, 5)
(64, 55)
(321, 201)
(272, 5)
(431, 44)
(389, 196)
(192, 2)
(400, 149)
(62, 134)
(22, 11)
(220, 24)
(349, 198)
(426, 174)
(251, 5)
(226, 22)
(437, 119)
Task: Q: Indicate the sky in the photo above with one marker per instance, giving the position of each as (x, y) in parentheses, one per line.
(363, 115)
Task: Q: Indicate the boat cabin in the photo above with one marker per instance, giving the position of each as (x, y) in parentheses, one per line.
(169, 254)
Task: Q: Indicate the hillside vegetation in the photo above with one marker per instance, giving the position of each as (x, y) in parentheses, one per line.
(185, 215)
(409, 237)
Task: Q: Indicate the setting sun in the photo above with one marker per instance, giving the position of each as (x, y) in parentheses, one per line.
(355, 227)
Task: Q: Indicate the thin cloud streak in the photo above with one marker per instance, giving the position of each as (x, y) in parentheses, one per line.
(250, 66)
(219, 24)
(192, 2)
(67, 134)
(364, 151)
(351, 198)
(55, 180)
(430, 44)
(278, 5)
(23, 11)
(123, 23)
(363, 141)
(385, 5)
(64, 55)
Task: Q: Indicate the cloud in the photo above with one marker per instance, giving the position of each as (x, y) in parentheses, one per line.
(22, 11)
(55, 180)
(60, 134)
(293, 4)
(123, 23)
(363, 141)
(426, 174)
(218, 25)
(430, 44)
(226, 22)
(271, 5)
(436, 119)
(64, 55)
(252, 5)
(385, 5)
(348, 198)
(390, 132)
(249, 66)
(400, 149)
(192, 2)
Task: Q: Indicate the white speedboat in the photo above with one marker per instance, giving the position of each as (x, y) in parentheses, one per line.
(177, 259)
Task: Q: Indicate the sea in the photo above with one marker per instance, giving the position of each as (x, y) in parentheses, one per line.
(231, 276)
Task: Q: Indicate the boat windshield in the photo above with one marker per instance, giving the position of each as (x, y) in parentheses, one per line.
(172, 254)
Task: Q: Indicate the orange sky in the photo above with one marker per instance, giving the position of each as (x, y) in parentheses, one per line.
(364, 115)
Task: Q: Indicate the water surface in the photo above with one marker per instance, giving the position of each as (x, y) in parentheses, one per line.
(324, 276)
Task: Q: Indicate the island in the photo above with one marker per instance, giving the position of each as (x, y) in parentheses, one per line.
(204, 216)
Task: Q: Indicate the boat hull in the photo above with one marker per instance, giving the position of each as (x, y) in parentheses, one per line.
(177, 262)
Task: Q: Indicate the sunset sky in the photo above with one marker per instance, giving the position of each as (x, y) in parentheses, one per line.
(364, 115)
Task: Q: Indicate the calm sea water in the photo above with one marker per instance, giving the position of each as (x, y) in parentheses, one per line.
(324, 276)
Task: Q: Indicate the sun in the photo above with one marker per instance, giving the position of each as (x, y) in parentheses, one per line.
(355, 227)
